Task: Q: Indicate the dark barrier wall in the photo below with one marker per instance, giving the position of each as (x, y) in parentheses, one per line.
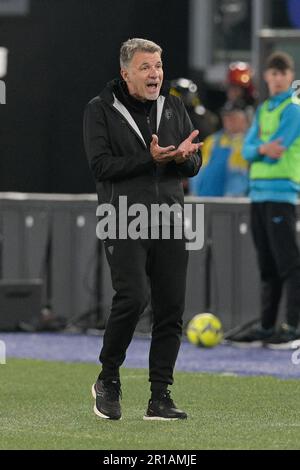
(53, 237)
(60, 56)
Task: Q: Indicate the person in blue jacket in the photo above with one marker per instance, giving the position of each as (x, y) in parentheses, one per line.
(272, 147)
(224, 170)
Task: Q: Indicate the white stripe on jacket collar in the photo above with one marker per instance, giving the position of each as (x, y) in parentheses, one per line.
(124, 111)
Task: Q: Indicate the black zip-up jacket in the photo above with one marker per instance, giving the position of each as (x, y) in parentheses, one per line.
(119, 157)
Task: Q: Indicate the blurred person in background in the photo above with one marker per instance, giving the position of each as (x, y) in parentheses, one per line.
(239, 83)
(205, 121)
(272, 147)
(224, 171)
(240, 87)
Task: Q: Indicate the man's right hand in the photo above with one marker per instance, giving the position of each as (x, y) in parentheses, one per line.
(272, 149)
(161, 155)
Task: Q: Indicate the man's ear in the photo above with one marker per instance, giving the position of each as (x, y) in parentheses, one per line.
(124, 74)
(265, 75)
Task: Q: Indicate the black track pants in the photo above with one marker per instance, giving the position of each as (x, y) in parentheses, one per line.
(274, 233)
(131, 262)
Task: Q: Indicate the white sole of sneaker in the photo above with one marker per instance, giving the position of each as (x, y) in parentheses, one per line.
(100, 415)
(289, 346)
(96, 411)
(158, 418)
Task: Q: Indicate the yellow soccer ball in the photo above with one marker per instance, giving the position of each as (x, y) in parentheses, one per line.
(205, 330)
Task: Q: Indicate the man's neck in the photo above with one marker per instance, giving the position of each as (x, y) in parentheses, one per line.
(280, 93)
(138, 98)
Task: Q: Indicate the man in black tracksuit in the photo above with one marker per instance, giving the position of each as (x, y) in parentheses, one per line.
(139, 143)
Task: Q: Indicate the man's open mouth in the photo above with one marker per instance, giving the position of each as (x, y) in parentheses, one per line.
(152, 86)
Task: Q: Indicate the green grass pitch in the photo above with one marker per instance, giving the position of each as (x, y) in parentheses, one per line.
(48, 405)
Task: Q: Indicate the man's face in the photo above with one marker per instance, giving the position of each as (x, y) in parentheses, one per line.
(278, 81)
(144, 75)
(235, 122)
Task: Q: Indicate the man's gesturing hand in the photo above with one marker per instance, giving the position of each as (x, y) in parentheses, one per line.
(164, 155)
(187, 148)
(161, 154)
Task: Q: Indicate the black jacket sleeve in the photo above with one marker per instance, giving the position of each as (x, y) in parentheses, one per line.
(193, 164)
(103, 164)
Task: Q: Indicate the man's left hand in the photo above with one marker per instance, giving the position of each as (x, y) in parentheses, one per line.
(187, 148)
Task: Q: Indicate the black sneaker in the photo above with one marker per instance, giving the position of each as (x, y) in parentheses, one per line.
(254, 338)
(107, 395)
(287, 337)
(164, 409)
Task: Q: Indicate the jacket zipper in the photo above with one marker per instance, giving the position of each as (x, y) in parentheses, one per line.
(155, 167)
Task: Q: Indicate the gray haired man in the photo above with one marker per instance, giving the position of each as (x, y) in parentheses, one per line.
(139, 144)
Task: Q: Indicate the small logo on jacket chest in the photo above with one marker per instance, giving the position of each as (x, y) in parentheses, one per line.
(168, 113)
